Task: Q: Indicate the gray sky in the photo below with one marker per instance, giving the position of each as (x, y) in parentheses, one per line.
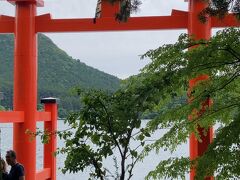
(116, 53)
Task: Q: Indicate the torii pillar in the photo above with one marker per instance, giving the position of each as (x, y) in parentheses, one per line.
(200, 31)
(25, 85)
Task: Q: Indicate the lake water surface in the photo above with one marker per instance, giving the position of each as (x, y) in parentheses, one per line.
(140, 171)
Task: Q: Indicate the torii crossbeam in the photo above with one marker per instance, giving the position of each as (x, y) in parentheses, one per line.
(25, 26)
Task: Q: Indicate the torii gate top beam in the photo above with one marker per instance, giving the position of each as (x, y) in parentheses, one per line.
(46, 24)
(6, 24)
(107, 22)
(178, 20)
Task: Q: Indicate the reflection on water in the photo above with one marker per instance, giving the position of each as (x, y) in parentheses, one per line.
(140, 171)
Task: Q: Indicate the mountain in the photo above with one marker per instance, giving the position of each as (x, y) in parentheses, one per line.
(58, 73)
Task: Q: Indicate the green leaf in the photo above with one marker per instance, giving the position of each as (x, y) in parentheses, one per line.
(134, 153)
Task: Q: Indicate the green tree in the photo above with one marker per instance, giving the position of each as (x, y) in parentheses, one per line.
(107, 121)
(221, 8)
(217, 8)
(167, 76)
(104, 128)
(127, 7)
(220, 59)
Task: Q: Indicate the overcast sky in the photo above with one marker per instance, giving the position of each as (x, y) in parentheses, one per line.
(115, 53)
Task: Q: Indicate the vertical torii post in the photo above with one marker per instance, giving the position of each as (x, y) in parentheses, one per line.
(25, 84)
(106, 9)
(49, 161)
(200, 31)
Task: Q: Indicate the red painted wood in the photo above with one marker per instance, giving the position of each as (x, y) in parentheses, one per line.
(11, 116)
(50, 148)
(43, 116)
(199, 31)
(6, 24)
(110, 24)
(44, 174)
(109, 10)
(25, 85)
(229, 21)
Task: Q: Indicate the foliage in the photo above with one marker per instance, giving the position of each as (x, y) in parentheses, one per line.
(58, 74)
(2, 108)
(106, 122)
(104, 128)
(175, 169)
(127, 7)
(162, 86)
(218, 8)
(222, 157)
(167, 76)
(221, 8)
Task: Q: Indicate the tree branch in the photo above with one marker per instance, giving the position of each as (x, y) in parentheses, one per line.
(122, 177)
(110, 127)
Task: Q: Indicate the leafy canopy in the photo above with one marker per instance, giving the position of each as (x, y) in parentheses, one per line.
(107, 121)
(218, 8)
(103, 128)
(167, 78)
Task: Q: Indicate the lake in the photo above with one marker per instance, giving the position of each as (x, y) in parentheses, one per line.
(140, 171)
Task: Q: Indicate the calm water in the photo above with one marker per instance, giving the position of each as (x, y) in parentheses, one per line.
(140, 171)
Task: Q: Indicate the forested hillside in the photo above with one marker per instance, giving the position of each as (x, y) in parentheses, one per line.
(58, 74)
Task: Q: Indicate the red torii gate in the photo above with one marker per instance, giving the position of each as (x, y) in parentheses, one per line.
(25, 26)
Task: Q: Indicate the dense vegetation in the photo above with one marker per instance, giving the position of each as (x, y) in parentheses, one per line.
(217, 8)
(105, 128)
(106, 121)
(169, 72)
(58, 74)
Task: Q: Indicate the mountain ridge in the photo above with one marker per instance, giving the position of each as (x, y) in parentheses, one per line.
(58, 73)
